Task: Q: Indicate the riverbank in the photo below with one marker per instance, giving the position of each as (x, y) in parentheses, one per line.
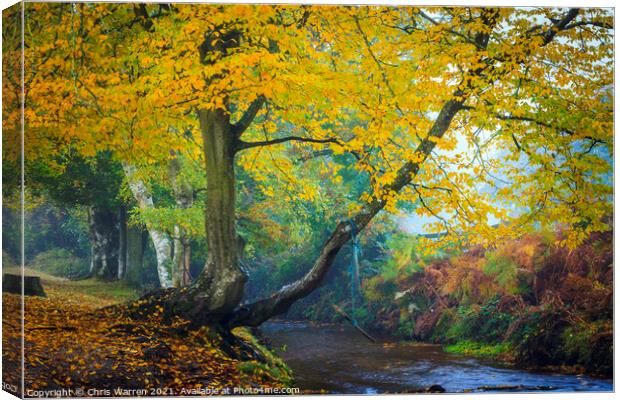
(532, 301)
(503, 354)
(335, 358)
(74, 345)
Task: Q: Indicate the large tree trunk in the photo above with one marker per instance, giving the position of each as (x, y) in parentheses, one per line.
(161, 242)
(218, 290)
(222, 278)
(104, 239)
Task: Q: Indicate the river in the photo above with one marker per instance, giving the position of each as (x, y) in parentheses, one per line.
(338, 359)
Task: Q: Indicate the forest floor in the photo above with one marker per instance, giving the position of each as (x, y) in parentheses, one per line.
(73, 342)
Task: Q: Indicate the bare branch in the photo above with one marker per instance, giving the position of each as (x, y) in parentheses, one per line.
(417, 185)
(241, 145)
(599, 24)
(430, 210)
(544, 124)
(560, 25)
(374, 57)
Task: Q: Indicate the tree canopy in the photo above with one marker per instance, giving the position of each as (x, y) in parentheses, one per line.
(486, 122)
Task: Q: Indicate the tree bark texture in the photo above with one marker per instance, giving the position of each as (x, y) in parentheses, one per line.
(104, 238)
(161, 242)
(219, 288)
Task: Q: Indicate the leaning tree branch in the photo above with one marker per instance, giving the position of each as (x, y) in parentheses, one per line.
(535, 121)
(256, 313)
(246, 119)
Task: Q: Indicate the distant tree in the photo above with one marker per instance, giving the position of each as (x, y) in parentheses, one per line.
(94, 184)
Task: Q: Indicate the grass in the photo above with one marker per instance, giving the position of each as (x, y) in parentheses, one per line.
(478, 349)
(89, 291)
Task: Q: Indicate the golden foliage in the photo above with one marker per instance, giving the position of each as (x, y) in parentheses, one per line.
(532, 144)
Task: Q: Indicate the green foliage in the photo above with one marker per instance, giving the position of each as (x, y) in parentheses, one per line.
(11, 228)
(273, 366)
(60, 262)
(503, 270)
(576, 342)
(478, 349)
(165, 219)
(585, 344)
(84, 181)
(46, 227)
(445, 331)
(484, 323)
(402, 256)
(176, 187)
(537, 336)
(406, 325)
(361, 315)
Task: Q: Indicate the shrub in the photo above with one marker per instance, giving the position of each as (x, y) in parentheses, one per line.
(503, 270)
(537, 337)
(60, 262)
(485, 323)
(446, 321)
(406, 326)
(590, 345)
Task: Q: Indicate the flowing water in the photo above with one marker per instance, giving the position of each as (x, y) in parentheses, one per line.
(338, 359)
